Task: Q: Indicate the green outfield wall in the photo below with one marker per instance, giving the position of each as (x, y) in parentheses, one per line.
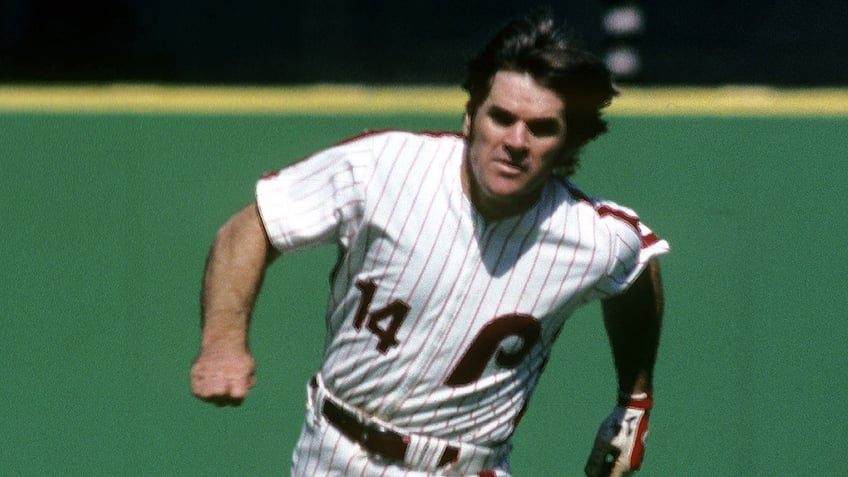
(112, 195)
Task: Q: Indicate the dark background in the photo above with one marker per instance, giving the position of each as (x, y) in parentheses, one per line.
(779, 42)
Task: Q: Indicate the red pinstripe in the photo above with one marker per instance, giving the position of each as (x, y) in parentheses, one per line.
(394, 201)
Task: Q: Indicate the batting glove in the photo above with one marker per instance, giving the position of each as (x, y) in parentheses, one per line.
(620, 442)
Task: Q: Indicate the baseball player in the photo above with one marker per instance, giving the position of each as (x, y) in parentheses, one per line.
(460, 257)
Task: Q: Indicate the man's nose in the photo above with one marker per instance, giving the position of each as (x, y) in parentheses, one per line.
(516, 137)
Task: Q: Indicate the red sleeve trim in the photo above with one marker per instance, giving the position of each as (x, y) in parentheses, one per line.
(648, 237)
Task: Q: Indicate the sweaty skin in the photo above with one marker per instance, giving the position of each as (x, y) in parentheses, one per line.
(515, 139)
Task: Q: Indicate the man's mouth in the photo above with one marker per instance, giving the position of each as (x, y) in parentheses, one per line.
(512, 165)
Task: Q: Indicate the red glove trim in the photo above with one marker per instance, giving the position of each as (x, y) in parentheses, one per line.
(637, 401)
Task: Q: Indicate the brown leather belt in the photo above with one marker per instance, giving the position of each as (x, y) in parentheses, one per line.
(375, 439)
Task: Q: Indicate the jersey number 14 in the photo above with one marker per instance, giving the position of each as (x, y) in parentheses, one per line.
(385, 322)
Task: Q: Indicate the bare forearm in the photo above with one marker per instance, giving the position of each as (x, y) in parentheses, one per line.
(222, 373)
(232, 279)
(633, 323)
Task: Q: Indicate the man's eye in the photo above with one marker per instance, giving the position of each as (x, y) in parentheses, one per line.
(544, 128)
(501, 118)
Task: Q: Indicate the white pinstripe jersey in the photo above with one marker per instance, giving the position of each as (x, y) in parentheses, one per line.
(439, 322)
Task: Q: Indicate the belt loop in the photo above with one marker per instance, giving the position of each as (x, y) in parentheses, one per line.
(416, 451)
(316, 398)
(428, 453)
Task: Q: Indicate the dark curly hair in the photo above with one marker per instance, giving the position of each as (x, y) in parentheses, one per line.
(535, 44)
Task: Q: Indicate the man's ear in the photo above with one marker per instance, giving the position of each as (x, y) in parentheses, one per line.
(466, 125)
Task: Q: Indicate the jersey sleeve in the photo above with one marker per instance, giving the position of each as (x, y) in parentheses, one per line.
(317, 200)
(633, 245)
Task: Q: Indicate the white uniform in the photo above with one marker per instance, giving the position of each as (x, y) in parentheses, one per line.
(438, 323)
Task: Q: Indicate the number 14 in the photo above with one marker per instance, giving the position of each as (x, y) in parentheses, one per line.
(486, 345)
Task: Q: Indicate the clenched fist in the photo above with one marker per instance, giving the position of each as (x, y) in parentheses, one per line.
(223, 377)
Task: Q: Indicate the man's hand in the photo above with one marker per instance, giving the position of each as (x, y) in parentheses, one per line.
(223, 371)
(223, 377)
(620, 442)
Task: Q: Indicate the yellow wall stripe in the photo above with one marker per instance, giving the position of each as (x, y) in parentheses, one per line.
(340, 99)
(732, 100)
(209, 99)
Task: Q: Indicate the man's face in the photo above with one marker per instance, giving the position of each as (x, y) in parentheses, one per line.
(515, 139)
